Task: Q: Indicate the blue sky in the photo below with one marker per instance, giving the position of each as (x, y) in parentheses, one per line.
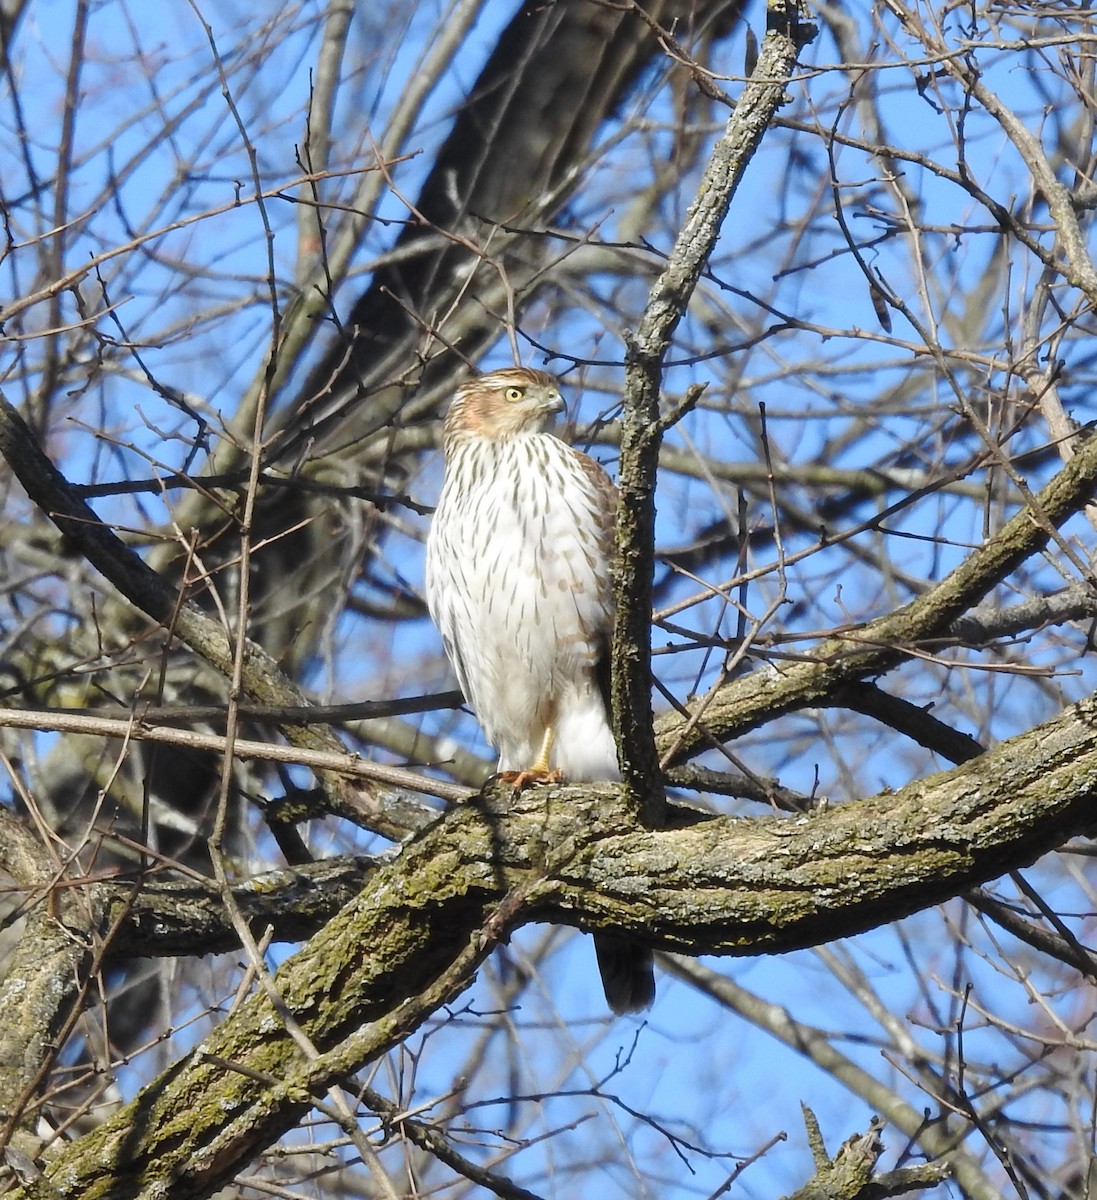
(785, 318)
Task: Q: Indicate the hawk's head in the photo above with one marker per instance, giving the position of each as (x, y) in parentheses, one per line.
(504, 404)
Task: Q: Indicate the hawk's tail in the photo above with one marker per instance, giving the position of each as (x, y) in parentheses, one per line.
(628, 973)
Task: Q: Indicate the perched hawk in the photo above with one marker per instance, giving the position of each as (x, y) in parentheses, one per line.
(518, 583)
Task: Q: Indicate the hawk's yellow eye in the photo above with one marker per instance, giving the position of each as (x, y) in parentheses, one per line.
(515, 393)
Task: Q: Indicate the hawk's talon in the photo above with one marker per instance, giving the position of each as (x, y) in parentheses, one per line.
(533, 777)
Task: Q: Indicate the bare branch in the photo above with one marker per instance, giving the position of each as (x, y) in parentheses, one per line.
(642, 427)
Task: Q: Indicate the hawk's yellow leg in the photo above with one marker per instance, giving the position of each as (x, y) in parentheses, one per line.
(540, 772)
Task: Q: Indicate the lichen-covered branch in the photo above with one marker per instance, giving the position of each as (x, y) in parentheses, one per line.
(424, 922)
(642, 426)
(851, 1174)
(43, 972)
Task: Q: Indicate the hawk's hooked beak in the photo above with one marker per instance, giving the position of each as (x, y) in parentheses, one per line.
(552, 404)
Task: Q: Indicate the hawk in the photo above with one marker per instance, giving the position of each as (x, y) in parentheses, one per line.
(518, 582)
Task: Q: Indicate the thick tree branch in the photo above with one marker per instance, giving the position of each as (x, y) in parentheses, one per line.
(43, 972)
(169, 918)
(643, 424)
(569, 855)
